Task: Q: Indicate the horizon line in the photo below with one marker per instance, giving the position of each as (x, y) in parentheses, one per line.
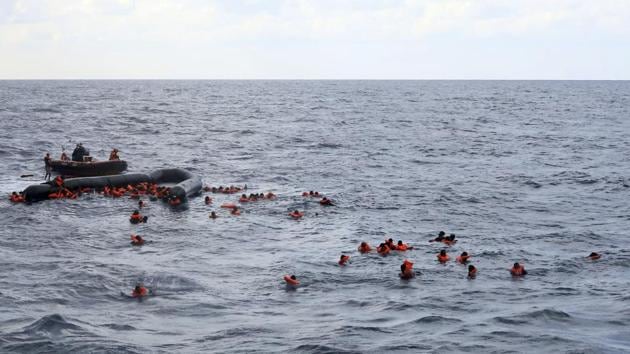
(285, 79)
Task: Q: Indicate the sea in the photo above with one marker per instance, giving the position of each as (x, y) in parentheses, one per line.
(535, 172)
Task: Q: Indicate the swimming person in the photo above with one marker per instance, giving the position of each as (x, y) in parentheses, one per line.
(406, 270)
(137, 240)
(462, 258)
(472, 272)
(403, 246)
(518, 270)
(364, 247)
(343, 259)
(443, 257)
(382, 249)
(439, 238)
(291, 280)
(136, 218)
(140, 291)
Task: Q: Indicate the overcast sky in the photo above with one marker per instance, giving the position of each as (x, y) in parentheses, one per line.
(315, 39)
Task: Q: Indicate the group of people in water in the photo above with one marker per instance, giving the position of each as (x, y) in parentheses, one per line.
(154, 192)
(406, 268)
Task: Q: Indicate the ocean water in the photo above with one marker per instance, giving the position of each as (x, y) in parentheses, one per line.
(535, 172)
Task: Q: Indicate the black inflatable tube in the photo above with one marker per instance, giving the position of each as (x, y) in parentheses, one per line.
(186, 183)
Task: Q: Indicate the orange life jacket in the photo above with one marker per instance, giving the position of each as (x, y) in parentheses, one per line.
(287, 278)
(517, 270)
(462, 259)
(296, 215)
(443, 259)
(408, 264)
(143, 292)
(365, 249)
(402, 247)
(472, 273)
(343, 260)
(325, 202)
(136, 217)
(382, 250)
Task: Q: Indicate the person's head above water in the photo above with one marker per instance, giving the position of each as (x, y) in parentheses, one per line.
(443, 253)
(464, 254)
(471, 267)
(293, 277)
(516, 265)
(442, 233)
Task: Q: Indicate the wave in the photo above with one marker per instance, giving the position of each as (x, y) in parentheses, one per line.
(53, 324)
(45, 110)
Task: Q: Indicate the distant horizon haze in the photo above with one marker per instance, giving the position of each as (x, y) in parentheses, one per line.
(315, 40)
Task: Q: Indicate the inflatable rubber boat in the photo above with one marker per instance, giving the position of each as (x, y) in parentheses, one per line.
(183, 184)
(88, 168)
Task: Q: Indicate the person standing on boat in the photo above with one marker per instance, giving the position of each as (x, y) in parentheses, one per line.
(47, 166)
(114, 155)
(79, 152)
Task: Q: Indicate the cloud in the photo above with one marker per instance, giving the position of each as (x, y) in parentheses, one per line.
(160, 32)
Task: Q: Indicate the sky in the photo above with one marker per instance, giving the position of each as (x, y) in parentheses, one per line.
(315, 39)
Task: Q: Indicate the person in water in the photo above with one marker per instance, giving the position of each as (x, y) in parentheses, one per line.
(440, 237)
(296, 214)
(47, 166)
(594, 256)
(403, 246)
(291, 280)
(208, 200)
(463, 258)
(343, 260)
(472, 272)
(136, 218)
(174, 201)
(114, 155)
(137, 240)
(443, 257)
(213, 215)
(382, 249)
(518, 270)
(390, 244)
(235, 211)
(140, 291)
(406, 270)
(325, 201)
(141, 204)
(450, 240)
(364, 247)
(17, 198)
